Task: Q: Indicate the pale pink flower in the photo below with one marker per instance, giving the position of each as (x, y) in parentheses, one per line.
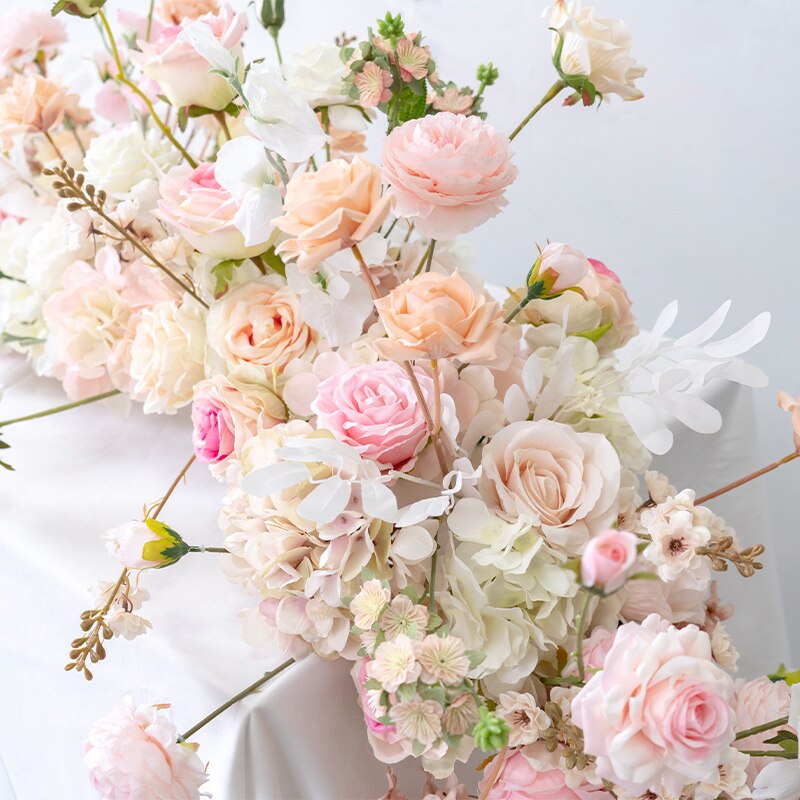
(658, 715)
(373, 408)
(120, 617)
(25, 34)
(447, 172)
(394, 664)
(787, 403)
(562, 266)
(524, 717)
(181, 72)
(608, 560)
(418, 719)
(403, 616)
(564, 482)
(127, 543)
(453, 101)
(326, 211)
(367, 606)
(412, 60)
(439, 316)
(373, 85)
(729, 780)
(194, 203)
(133, 754)
(442, 659)
(175, 11)
(460, 715)
(596, 647)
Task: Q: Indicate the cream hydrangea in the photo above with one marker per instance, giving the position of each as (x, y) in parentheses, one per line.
(167, 356)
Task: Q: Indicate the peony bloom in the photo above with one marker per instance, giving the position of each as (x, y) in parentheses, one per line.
(173, 12)
(32, 104)
(25, 34)
(166, 356)
(447, 172)
(133, 754)
(562, 481)
(608, 560)
(325, 211)
(439, 316)
(595, 47)
(120, 159)
(205, 213)
(182, 73)
(373, 85)
(373, 408)
(259, 323)
(658, 715)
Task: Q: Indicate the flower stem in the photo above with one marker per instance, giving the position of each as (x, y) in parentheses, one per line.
(561, 681)
(437, 395)
(172, 487)
(223, 123)
(121, 77)
(423, 405)
(522, 303)
(236, 698)
(499, 759)
(326, 123)
(273, 32)
(747, 478)
(766, 726)
(769, 754)
(149, 30)
(59, 409)
(52, 144)
(202, 549)
(579, 633)
(429, 260)
(552, 92)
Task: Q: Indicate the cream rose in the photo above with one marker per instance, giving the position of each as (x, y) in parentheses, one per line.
(564, 482)
(259, 323)
(166, 356)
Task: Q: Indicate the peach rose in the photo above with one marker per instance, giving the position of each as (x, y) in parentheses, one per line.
(325, 211)
(27, 33)
(562, 481)
(439, 316)
(173, 12)
(259, 323)
(194, 202)
(182, 73)
(448, 172)
(32, 104)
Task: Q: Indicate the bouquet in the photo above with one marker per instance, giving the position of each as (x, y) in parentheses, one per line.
(445, 483)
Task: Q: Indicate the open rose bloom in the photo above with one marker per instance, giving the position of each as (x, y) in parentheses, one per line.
(443, 481)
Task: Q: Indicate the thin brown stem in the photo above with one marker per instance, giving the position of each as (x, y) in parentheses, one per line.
(498, 766)
(747, 478)
(437, 395)
(173, 486)
(259, 262)
(52, 144)
(122, 78)
(235, 699)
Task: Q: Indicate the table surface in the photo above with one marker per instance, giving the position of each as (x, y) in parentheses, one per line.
(87, 470)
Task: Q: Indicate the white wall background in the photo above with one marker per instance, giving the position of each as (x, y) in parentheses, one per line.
(692, 192)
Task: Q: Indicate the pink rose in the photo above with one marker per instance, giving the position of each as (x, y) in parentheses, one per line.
(601, 269)
(175, 11)
(196, 205)
(226, 412)
(607, 560)
(448, 172)
(25, 34)
(562, 266)
(564, 482)
(373, 408)
(133, 752)
(755, 703)
(596, 647)
(658, 715)
(182, 73)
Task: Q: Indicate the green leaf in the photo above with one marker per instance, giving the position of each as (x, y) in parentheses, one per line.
(223, 272)
(782, 736)
(476, 658)
(183, 118)
(6, 466)
(644, 576)
(781, 674)
(595, 333)
(372, 683)
(408, 691)
(23, 341)
(411, 105)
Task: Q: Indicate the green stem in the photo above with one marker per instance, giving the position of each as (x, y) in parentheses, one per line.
(430, 255)
(561, 681)
(236, 698)
(522, 303)
(391, 228)
(432, 582)
(552, 92)
(326, 124)
(769, 754)
(200, 549)
(579, 633)
(767, 726)
(273, 32)
(150, 20)
(59, 409)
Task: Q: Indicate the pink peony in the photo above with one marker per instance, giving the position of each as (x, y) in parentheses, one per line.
(133, 754)
(195, 204)
(607, 560)
(175, 11)
(25, 34)
(658, 715)
(373, 408)
(182, 73)
(448, 172)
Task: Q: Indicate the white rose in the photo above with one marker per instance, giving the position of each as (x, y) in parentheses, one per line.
(120, 159)
(595, 47)
(166, 356)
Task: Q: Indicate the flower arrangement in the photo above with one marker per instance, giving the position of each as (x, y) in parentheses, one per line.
(445, 484)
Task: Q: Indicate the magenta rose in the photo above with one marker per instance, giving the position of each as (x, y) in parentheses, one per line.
(373, 408)
(608, 559)
(658, 715)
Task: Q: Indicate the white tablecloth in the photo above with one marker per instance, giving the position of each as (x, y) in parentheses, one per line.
(302, 737)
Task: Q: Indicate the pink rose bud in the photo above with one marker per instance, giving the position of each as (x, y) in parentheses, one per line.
(607, 560)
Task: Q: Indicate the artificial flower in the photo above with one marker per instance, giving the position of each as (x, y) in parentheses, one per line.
(607, 560)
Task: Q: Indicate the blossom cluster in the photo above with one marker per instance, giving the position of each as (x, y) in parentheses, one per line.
(445, 483)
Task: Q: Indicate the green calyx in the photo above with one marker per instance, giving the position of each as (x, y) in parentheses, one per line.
(585, 90)
(271, 14)
(391, 28)
(487, 74)
(168, 548)
(78, 8)
(490, 732)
